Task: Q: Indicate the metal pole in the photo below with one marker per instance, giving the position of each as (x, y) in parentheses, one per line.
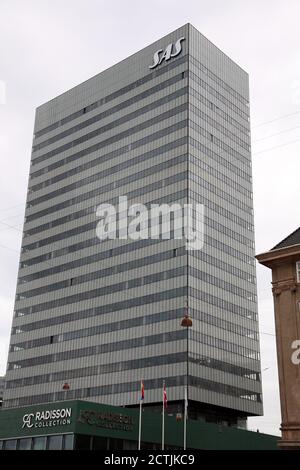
(186, 322)
(187, 360)
(187, 384)
(140, 426)
(185, 418)
(163, 420)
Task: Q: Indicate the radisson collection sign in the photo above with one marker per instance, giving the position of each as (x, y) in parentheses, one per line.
(63, 416)
(47, 418)
(108, 420)
(167, 54)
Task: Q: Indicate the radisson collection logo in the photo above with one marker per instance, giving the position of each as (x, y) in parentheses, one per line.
(167, 54)
(116, 421)
(47, 418)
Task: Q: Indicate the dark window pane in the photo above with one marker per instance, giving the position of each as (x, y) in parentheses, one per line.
(11, 444)
(54, 442)
(82, 442)
(100, 443)
(39, 443)
(115, 444)
(25, 444)
(68, 441)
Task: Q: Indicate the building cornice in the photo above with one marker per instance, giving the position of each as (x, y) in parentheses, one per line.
(282, 255)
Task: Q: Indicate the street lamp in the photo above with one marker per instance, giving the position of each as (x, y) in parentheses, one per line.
(187, 323)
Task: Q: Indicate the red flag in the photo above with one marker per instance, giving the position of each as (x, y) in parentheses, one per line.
(142, 390)
(165, 397)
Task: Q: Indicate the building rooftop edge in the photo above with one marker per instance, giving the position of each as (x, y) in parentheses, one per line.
(283, 243)
(188, 25)
(111, 66)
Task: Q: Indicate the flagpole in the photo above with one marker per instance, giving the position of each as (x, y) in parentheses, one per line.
(140, 426)
(186, 322)
(163, 420)
(140, 418)
(185, 418)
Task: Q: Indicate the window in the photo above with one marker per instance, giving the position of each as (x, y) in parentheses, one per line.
(298, 271)
(11, 444)
(39, 443)
(101, 443)
(25, 444)
(82, 442)
(54, 443)
(68, 441)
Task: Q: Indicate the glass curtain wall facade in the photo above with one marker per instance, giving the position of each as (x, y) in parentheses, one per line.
(102, 315)
(224, 357)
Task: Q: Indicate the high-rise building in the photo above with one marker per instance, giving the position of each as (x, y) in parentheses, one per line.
(169, 124)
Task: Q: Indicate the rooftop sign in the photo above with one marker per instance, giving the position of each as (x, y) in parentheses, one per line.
(161, 55)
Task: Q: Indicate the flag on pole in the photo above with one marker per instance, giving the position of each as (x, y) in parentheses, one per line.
(142, 390)
(165, 400)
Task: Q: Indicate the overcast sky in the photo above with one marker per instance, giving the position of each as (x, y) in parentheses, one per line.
(48, 46)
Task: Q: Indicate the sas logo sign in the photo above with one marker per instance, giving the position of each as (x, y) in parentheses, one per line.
(167, 54)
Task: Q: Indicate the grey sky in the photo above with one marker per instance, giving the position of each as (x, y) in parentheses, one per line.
(49, 46)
